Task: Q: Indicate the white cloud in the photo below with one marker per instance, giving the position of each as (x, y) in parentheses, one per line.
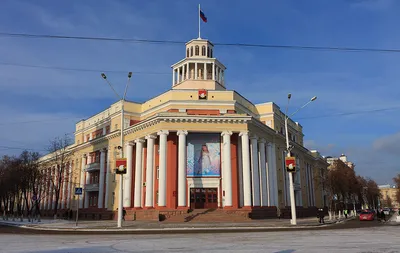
(388, 144)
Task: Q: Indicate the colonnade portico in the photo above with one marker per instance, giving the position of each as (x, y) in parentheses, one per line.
(255, 180)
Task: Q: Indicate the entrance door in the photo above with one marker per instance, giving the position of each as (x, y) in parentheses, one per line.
(201, 198)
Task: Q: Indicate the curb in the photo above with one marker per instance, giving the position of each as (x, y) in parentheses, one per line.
(165, 230)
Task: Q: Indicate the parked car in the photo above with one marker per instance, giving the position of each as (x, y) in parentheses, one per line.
(367, 216)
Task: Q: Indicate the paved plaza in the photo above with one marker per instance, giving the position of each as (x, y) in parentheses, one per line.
(379, 239)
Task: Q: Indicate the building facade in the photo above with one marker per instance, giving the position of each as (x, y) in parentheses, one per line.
(198, 145)
(389, 196)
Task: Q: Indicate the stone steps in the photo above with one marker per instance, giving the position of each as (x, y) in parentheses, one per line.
(208, 215)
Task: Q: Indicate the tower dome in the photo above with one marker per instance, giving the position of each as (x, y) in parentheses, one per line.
(199, 69)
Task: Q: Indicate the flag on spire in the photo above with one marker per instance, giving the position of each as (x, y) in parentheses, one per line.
(202, 16)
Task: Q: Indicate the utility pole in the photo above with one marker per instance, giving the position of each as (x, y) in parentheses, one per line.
(293, 221)
(121, 147)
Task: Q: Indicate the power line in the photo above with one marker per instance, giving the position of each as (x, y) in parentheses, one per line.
(80, 69)
(36, 121)
(351, 113)
(19, 148)
(127, 40)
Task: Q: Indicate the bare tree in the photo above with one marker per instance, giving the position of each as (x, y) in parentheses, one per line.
(59, 159)
(397, 182)
(30, 181)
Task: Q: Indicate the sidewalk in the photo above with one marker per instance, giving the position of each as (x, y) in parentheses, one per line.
(157, 227)
(395, 219)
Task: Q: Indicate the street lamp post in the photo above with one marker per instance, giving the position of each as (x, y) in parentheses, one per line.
(293, 221)
(121, 147)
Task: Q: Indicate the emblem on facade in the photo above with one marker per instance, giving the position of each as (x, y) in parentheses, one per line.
(202, 94)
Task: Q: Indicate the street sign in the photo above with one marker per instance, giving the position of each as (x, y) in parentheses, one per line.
(290, 164)
(78, 191)
(120, 166)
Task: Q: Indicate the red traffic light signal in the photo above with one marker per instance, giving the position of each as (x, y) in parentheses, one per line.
(290, 164)
(120, 166)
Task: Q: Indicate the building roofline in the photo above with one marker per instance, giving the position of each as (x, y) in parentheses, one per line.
(199, 39)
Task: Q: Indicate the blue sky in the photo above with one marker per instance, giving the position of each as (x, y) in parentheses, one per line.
(343, 81)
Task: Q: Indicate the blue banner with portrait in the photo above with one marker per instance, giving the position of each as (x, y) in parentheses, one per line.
(203, 155)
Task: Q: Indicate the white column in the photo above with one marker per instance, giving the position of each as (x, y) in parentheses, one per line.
(150, 171)
(205, 71)
(273, 175)
(263, 170)
(128, 176)
(108, 173)
(195, 71)
(82, 180)
(187, 70)
(182, 167)
(138, 173)
(53, 197)
(48, 189)
(64, 190)
(255, 171)
(173, 76)
(69, 195)
(240, 172)
(246, 168)
(86, 205)
(104, 131)
(101, 178)
(227, 176)
(162, 180)
(213, 71)
(220, 76)
(270, 175)
(42, 192)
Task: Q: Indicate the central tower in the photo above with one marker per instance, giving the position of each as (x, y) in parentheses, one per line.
(199, 70)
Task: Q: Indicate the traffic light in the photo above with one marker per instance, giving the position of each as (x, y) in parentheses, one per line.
(290, 164)
(120, 166)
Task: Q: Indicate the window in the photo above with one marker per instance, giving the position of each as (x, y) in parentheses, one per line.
(208, 51)
(158, 172)
(187, 52)
(107, 129)
(211, 53)
(203, 50)
(191, 51)
(113, 198)
(197, 49)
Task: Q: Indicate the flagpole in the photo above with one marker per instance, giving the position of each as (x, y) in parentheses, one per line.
(199, 22)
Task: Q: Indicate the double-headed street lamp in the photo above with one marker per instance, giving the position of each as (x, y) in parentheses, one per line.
(121, 147)
(288, 149)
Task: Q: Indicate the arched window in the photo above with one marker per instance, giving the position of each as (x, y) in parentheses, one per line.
(191, 51)
(187, 52)
(196, 51)
(208, 51)
(211, 53)
(203, 50)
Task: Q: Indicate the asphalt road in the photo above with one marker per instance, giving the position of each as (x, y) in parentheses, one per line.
(369, 238)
